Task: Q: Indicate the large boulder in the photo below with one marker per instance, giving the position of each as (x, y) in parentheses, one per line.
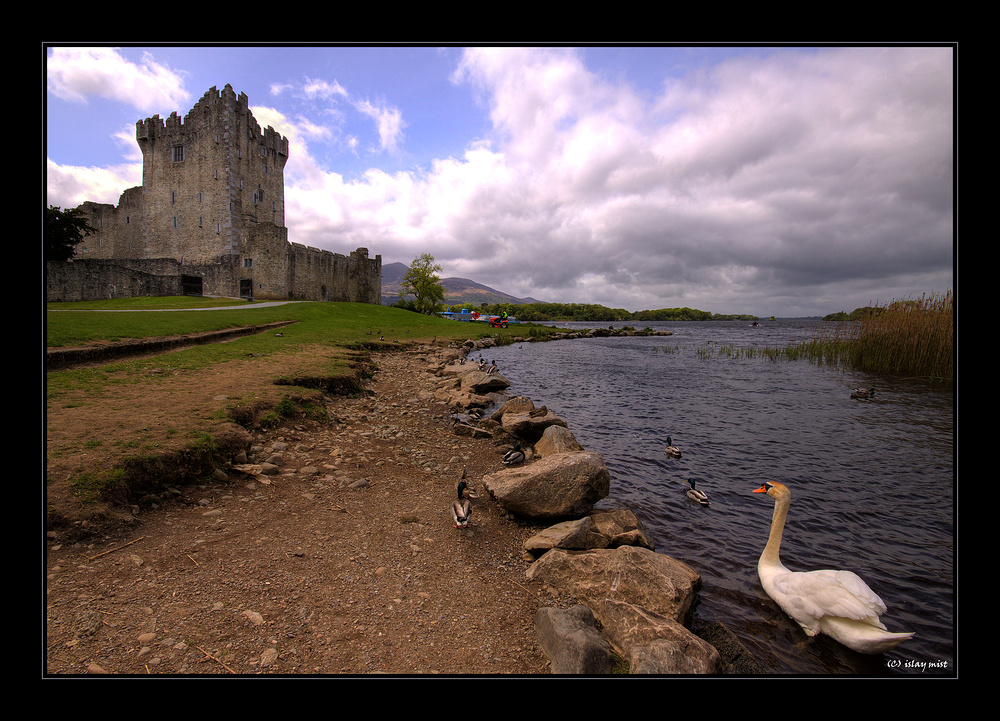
(531, 425)
(579, 535)
(572, 642)
(565, 485)
(633, 574)
(621, 527)
(655, 644)
(601, 528)
(557, 439)
(736, 659)
(479, 382)
(518, 404)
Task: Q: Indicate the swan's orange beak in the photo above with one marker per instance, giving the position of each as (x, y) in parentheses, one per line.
(762, 489)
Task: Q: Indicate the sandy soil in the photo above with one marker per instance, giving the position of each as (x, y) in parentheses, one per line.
(296, 573)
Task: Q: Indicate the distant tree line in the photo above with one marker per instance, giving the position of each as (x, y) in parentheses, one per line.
(422, 283)
(867, 311)
(589, 312)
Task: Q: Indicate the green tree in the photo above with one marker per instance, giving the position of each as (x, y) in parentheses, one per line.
(422, 282)
(63, 230)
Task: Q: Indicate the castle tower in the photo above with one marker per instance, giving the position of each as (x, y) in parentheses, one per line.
(211, 212)
(207, 181)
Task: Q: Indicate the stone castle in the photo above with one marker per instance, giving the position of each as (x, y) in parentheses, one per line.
(208, 219)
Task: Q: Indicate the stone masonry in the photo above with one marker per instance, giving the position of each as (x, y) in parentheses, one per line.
(212, 201)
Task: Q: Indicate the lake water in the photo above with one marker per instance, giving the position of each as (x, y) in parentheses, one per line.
(873, 481)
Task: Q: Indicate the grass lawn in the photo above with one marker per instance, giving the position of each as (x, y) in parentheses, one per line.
(101, 417)
(317, 325)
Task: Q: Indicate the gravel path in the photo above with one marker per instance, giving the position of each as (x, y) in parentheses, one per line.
(344, 562)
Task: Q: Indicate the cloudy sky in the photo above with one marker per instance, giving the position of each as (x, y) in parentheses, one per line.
(775, 181)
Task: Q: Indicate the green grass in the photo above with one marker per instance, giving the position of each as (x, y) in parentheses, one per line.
(338, 323)
(350, 326)
(342, 323)
(324, 341)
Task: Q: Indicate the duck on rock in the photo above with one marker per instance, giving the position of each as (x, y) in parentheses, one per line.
(514, 456)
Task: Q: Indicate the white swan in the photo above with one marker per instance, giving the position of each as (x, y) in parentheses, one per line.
(836, 603)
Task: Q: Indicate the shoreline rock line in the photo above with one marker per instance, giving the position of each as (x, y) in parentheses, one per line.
(635, 603)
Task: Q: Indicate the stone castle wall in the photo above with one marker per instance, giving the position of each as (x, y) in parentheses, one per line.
(212, 200)
(100, 279)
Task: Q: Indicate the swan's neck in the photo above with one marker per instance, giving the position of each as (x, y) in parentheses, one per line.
(770, 555)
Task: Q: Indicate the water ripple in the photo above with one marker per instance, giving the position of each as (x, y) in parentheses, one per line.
(872, 481)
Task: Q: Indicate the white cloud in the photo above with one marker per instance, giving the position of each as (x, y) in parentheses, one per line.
(796, 167)
(759, 180)
(76, 74)
(324, 90)
(68, 186)
(388, 122)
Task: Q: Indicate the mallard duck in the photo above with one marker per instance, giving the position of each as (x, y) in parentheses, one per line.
(699, 497)
(863, 393)
(461, 509)
(835, 603)
(671, 450)
(514, 456)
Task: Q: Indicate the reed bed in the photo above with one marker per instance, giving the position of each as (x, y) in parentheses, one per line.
(911, 338)
(790, 352)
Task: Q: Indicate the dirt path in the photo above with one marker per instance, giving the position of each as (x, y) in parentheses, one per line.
(299, 573)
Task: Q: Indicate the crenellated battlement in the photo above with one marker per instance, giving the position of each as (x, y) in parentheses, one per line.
(213, 187)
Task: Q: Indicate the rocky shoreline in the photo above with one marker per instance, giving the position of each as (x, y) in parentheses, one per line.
(324, 547)
(635, 603)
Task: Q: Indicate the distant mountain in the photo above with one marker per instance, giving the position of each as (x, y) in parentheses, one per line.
(456, 290)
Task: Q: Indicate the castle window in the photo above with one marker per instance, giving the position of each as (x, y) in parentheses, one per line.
(173, 197)
(248, 262)
(218, 227)
(263, 150)
(176, 222)
(178, 153)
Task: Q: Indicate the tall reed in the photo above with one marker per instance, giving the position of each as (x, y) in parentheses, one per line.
(911, 338)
